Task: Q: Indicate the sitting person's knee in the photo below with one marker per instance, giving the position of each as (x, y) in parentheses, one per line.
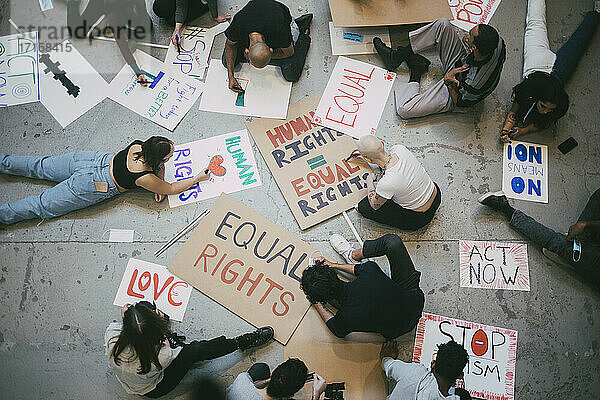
(392, 240)
(404, 112)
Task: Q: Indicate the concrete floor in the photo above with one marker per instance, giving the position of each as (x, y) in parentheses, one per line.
(58, 280)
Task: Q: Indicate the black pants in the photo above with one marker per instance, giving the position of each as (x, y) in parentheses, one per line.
(401, 265)
(190, 354)
(397, 216)
(166, 9)
(291, 67)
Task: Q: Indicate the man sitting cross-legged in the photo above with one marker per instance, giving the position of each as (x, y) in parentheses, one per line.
(372, 302)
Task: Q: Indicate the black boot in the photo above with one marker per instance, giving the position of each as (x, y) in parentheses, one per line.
(254, 339)
(391, 58)
(497, 201)
(303, 23)
(418, 66)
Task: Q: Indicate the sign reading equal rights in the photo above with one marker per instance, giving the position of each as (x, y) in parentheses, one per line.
(247, 264)
(309, 164)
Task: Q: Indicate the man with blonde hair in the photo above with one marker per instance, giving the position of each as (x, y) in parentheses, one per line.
(404, 196)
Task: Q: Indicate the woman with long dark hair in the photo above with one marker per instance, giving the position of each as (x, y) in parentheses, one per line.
(540, 98)
(86, 178)
(149, 359)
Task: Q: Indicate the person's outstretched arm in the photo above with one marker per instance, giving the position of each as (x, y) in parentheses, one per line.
(324, 312)
(154, 184)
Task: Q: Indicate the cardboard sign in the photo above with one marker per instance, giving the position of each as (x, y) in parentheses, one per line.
(356, 13)
(354, 97)
(144, 280)
(356, 364)
(309, 164)
(490, 373)
(247, 264)
(70, 86)
(494, 265)
(229, 158)
(525, 171)
(356, 40)
(167, 98)
(468, 13)
(19, 69)
(266, 94)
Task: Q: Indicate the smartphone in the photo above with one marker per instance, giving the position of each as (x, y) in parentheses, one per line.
(567, 145)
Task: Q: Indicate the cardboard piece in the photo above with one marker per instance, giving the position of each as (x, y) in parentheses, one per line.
(247, 264)
(468, 13)
(165, 101)
(308, 164)
(78, 88)
(267, 94)
(345, 41)
(490, 373)
(144, 280)
(230, 159)
(525, 171)
(19, 69)
(337, 360)
(353, 13)
(195, 47)
(494, 265)
(354, 98)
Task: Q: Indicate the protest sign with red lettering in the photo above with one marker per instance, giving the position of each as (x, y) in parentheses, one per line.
(468, 13)
(229, 158)
(490, 372)
(144, 280)
(354, 98)
(247, 264)
(309, 164)
(493, 265)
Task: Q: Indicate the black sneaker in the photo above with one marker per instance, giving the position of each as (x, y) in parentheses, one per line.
(254, 339)
(498, 202)
(303, 23)
(418, 64)
(385, 53)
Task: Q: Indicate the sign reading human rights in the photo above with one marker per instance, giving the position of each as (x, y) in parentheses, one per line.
(490, 372)
(247, 264)
(309, 164)
(354, 98)
(525, 171)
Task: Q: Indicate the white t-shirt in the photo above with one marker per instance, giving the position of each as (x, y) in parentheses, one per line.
(127, 370)
(413, 381)
(406, 182)
(243, 388)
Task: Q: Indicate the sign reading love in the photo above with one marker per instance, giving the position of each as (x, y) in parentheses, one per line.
(152, 282)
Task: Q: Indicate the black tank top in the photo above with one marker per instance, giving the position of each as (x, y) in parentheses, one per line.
(123, 176)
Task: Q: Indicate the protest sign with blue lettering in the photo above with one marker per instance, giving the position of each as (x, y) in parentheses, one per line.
(229, 158)
(525, 171)
(19, 69)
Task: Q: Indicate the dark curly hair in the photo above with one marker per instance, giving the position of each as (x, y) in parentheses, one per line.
(321, 284)
(287, 379)
(450, 360)
(486, 40)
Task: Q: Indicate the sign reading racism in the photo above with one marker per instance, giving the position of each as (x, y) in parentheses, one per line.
(490, 372)
(468, 13)
(309, 164)
(229, 158)
(354, 97)
(152, 282)
(19, 69)
(247, 264)
(494, 265)
(525, 171)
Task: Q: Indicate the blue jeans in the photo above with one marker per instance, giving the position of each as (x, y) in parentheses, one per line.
(76, 173)
(568, 56)
(588, 266)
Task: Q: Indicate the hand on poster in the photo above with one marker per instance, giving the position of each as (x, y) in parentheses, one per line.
(319, 386)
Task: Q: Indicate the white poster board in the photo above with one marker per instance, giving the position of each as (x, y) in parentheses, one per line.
(144, 280)
(346, 41)
(468, 13)
(490, 372)
(191, 58)
(267, 93)
(493, 265)
(19, 69)
(70, 86)
(165, 100)
(229, 158)
(525, 171)
(354, 98)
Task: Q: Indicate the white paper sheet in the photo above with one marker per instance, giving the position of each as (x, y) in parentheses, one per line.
(19, 69)
(525, 171)
(468, 13)
(363, 43)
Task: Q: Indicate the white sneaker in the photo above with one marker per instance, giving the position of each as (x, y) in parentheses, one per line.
(343, 247)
